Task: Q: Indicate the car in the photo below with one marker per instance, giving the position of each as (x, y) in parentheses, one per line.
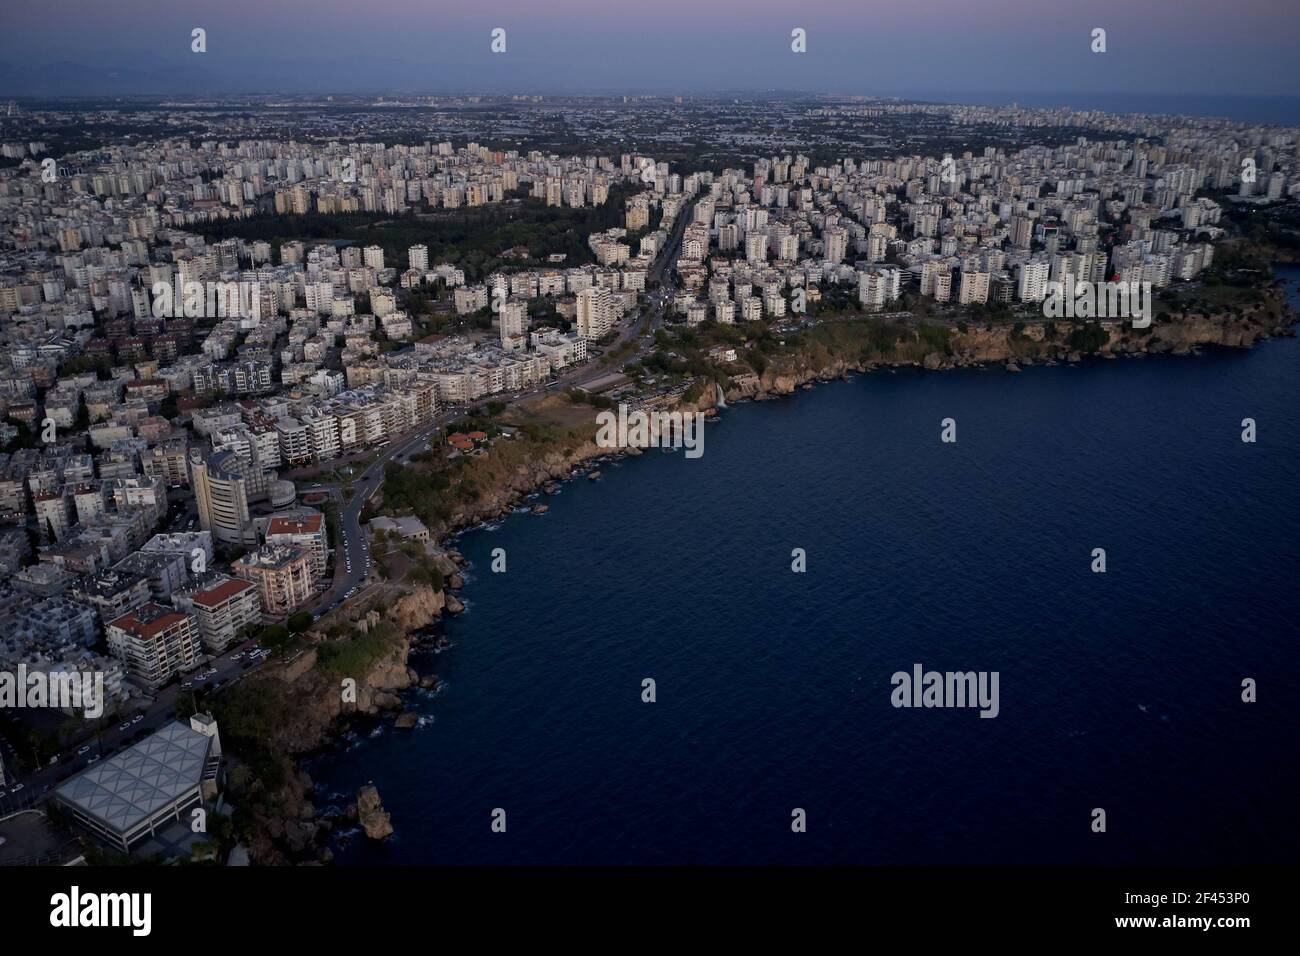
(16, 787)
(125, 726)
(236, 658)
(82, 751)
(186, 684)
(137, 718)
(94, 759)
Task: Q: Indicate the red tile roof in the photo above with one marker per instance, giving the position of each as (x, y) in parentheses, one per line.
(219, 594)
(308, 524)
(135, 622)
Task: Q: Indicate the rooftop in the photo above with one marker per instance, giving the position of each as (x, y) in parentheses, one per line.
(148, 620)
(307, 524)
(218, 594)
(127, 788)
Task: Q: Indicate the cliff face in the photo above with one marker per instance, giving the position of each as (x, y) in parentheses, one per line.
(524, 480)
(316, 697)
(1036, 341)
(307, 700)
(418, 608)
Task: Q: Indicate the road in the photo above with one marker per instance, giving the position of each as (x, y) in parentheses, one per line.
(125, 729)
(352, 554)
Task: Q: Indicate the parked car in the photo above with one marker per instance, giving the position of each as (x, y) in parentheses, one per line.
(137, 718)
(82, 751)
(94, 759)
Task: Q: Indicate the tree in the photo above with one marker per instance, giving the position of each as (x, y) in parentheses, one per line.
(274, 635)
(299, 621)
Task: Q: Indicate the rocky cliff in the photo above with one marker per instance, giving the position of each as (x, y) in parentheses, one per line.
(1037, 341)
(523, 480)
(297, 702)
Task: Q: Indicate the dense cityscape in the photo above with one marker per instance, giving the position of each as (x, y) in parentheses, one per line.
(224, 350)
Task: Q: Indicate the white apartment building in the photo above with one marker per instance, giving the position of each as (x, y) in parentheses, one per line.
(595, 313)
(154, 643)
(222, 611)
(1034, 277)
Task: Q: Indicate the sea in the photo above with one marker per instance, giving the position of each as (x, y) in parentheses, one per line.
(773, 737)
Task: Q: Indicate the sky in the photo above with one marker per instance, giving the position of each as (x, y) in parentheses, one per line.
(911, 47)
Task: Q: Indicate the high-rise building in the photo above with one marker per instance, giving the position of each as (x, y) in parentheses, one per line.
(154, 644)
(222, 491)
(222, 611)
(304, 531)
(974, 287)
(595, 313)
(282, 575)
(514, 319)
(1033, 281)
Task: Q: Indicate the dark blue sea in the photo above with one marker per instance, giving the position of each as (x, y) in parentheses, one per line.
(1119, 691)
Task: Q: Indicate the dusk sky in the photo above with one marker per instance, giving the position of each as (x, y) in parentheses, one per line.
(1247, 47)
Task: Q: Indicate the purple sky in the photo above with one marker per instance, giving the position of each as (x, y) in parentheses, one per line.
(1243, 47)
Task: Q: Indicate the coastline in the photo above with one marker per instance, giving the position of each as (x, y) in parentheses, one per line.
(311, 713)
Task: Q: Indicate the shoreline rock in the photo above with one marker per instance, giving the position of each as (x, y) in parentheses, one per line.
(372, 816)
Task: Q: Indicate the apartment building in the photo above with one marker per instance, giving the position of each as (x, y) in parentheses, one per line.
(306, 531)
(222, 610)
(154, 644)
(282, 575)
